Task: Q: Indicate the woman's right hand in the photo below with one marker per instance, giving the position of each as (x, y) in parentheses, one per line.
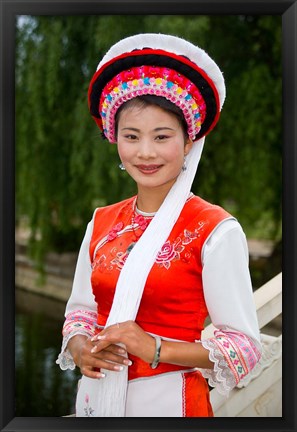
(112, 357)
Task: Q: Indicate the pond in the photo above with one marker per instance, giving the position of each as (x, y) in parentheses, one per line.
(42, 388)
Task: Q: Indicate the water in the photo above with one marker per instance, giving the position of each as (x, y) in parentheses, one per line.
(42, 388)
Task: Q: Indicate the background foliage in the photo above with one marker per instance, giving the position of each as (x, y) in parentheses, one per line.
(64, 169)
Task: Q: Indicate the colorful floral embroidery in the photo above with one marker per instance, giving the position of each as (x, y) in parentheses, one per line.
(171, 251)
(239, 351)
(120, 260)
(189, 237)
(99, 262)
(113, 233)
(168, 253)
(156, 80)
(102, 264)
(80, 320)
(141, 221)
(88, 410)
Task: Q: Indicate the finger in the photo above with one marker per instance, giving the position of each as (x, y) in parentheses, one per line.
(101, 336)
(116, 349)
(114, 328)
(107, 344)
(104, 364)
(114, 358)
(109, 338)
(100, 346)
(90, 373)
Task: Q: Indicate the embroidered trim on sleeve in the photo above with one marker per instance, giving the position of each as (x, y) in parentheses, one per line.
(77, 322)
(234, 355)
(80, 319)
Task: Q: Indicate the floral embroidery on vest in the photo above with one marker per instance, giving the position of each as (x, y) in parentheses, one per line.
(169, 252)
(113, 233)
(172, 251)
(102, 264)
(120, 259)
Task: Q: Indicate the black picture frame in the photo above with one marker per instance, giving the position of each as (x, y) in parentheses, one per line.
(9, 9)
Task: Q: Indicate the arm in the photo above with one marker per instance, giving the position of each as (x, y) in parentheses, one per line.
(81, 308)
(81, 324)
(235, 348)
(142, 345)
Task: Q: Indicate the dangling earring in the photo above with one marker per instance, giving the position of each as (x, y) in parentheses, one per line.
(121, 166)
(184, 167)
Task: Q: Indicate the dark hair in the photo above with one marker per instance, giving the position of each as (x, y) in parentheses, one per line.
(149, 100)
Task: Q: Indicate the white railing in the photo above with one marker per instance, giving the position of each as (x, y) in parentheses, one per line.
(260, 393)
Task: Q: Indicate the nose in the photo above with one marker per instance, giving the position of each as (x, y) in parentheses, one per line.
(146, 149)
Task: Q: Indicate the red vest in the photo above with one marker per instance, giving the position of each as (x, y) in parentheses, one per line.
(172, 304)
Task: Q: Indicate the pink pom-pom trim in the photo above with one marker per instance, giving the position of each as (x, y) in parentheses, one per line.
(158, 81)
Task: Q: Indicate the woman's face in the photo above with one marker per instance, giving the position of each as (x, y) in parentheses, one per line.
(151, 146)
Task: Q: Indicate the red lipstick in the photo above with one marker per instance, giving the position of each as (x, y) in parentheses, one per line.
(148, 169)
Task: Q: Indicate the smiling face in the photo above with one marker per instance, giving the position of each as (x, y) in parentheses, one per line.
(151, 145)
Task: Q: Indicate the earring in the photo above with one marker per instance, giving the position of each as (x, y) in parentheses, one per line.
(184, 167)
(121, 166)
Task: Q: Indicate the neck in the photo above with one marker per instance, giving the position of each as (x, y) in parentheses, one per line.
(150, 200)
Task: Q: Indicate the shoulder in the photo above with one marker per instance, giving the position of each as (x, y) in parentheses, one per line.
(197, 207)
(107, 217)
(114, 209)
(226, 240)
(207, 217)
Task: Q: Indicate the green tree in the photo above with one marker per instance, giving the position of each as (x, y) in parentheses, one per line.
(247, 168)
(65, 168)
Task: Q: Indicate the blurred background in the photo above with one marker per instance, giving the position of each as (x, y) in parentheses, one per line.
(64, 169)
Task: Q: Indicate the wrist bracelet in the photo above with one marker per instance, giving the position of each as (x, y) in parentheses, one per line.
(156, 359)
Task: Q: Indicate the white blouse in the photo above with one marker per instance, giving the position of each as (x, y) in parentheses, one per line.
(228, 295)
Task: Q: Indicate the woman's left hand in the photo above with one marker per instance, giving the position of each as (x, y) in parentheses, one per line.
(136, 341)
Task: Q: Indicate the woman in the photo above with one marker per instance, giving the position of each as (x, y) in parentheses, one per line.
(152, 267)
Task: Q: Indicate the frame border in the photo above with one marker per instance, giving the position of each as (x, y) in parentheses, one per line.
(9, 9)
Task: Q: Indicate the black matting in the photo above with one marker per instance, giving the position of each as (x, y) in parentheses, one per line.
(9, 9)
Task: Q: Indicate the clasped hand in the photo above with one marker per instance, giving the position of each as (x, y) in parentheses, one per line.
(111, 348)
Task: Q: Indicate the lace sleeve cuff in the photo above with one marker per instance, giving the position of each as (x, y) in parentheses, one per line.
(65, 359)
(234, 355)
(76, 323)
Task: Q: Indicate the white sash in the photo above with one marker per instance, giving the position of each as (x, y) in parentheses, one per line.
(106, 397)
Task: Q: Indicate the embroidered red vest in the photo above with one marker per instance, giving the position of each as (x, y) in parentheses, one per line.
(172, 304)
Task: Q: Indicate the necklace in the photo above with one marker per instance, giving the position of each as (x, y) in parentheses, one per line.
(139, 222)
(142, 213)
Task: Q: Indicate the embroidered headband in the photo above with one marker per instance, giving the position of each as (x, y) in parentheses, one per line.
(194, 83)
(157, 81)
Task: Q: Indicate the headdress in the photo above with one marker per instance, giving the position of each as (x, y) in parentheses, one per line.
(160, 65)
(181, 72)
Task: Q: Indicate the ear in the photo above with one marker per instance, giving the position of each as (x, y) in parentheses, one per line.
(188, 146)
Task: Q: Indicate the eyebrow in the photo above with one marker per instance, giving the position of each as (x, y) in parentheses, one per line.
(154, 130)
